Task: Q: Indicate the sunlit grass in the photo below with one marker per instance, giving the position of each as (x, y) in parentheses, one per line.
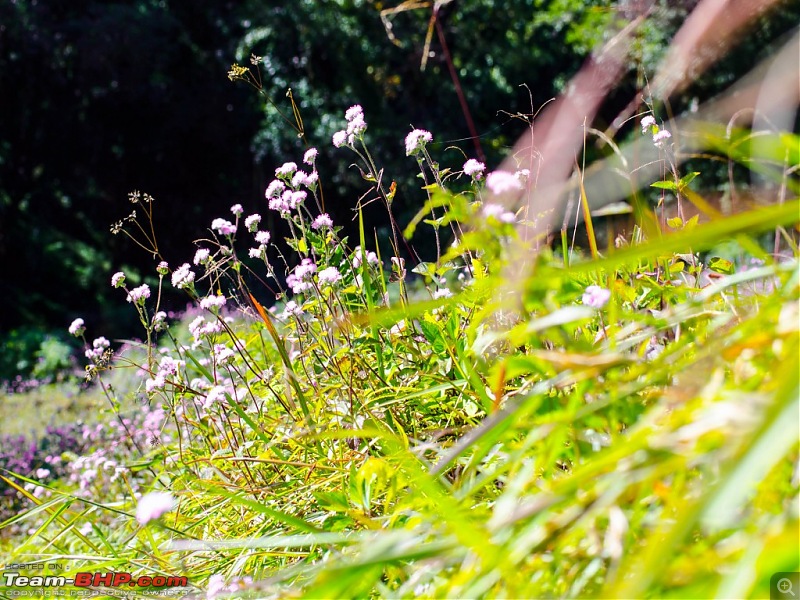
(28, 413)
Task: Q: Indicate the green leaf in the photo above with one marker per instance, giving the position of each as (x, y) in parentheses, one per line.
(687, 179)
(425, 268)
(433, 335)
(675, 223)
(334, 501)
(665, 185)
(721, 265)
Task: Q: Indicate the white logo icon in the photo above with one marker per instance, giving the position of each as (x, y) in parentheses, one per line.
(785, 587)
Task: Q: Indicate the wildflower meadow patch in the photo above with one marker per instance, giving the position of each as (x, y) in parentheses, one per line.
(512, 417)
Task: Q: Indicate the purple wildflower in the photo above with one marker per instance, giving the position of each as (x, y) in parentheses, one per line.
(356, 128)
(213, 301)
(416, 140)
(160, 321)
(98, 349)
(354, 112)
(304, 179)
(286, 169)
(252, 222)
(274, 189)
(139, 294)
(474, 169)
(201, 256)
(291, 309)
(372, 258)
(296, 198)
(279, 204)
(77, 328)
(330, 275)
(223, 227)
(215, 395)
(322, 221)
(659, 137)
(183, 276)
(298, 280)
(596, 297)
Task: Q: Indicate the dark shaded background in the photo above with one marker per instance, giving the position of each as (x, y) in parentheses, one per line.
(100, 98)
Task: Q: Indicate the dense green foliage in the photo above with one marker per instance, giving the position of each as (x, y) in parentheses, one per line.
(621, 427)
(113, 96)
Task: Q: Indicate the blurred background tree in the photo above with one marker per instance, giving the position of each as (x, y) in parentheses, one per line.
(103, 97)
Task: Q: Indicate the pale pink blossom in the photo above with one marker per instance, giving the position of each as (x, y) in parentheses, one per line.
(223, 227)
(416, 140)
(647, 122)
(286, 169)
(252, 222)
(596, 297)
(296, 198)
(201, 256)
(356, 127)
(474, 169)
(77, 328)
(330, 275)
(304, 179)
(139, 294)
(213, 301)
(151, 506)
(322, 221)
(372, 258)
(354, 112)
(502, 182)
(660, 136)
(292, 309)
(160, 321)
(183, 276)
(274, 189)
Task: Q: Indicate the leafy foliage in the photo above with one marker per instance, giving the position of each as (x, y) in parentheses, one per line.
(93, 119)
(504, 420)
(583, 432)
